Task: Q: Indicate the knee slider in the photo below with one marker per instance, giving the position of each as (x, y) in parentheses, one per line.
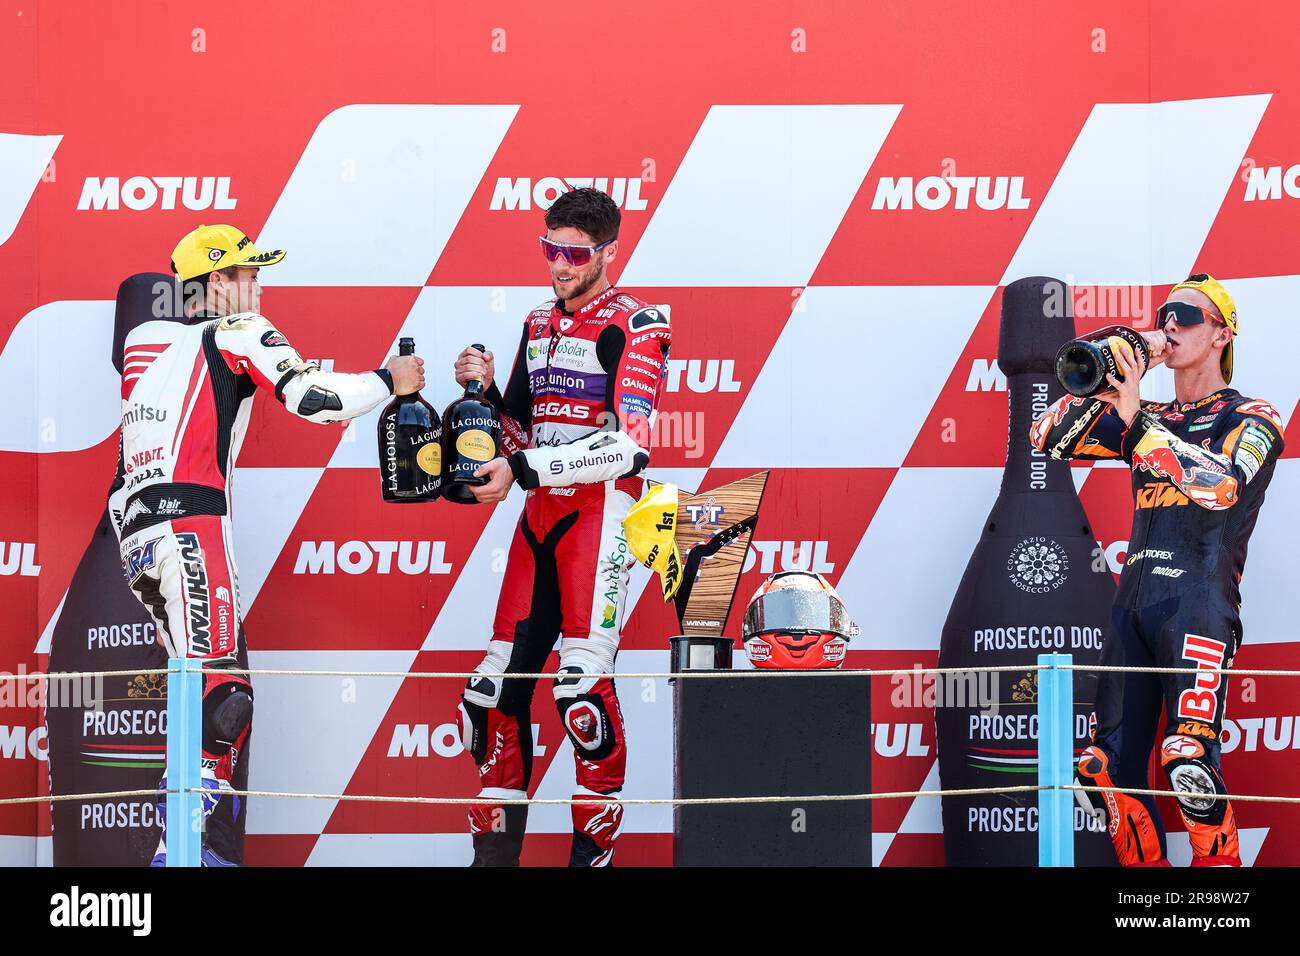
(587, 723)
(1190, 769)
(584, 715)
(227, 711)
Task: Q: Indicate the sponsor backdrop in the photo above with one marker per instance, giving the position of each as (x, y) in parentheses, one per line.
(831, 199)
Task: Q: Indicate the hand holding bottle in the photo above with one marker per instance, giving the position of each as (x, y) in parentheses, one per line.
(471, 436)
(407, 372)
(1158, 343)
(410, 435)
(500, 478)
(1123, 393)
(475, 364)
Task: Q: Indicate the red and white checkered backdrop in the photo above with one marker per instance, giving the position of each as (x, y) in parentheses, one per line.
(829, 196)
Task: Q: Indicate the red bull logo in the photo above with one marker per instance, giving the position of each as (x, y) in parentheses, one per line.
(1162, 460)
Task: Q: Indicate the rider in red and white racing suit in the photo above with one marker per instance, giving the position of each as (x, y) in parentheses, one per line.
(186, 398)
(577, 414)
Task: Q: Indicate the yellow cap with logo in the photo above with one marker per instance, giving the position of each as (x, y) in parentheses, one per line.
(209, 248)
(649, 526)
(1217, 294)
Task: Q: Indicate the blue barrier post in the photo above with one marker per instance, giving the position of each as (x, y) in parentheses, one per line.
(184, 740)
(1055, 760)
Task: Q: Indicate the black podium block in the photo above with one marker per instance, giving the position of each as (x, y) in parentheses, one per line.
(772, 736)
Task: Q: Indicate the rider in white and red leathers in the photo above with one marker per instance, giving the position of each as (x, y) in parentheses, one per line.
(186, 397)
(577, 414)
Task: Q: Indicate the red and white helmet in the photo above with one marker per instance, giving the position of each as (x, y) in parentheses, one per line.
(796, 621)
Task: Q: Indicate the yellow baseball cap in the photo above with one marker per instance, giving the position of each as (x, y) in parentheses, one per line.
(649, 526)
(1217, 294)
(209, 248)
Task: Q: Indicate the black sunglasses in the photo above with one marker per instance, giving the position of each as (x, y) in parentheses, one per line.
(1185, 314)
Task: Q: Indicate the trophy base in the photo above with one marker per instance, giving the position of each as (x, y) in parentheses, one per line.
(698, 652)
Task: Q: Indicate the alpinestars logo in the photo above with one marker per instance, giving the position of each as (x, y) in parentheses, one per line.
(1038, 565)
(196, 591)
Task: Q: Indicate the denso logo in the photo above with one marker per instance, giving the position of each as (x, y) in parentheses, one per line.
(702, 375)
(362, 557)
(938, 192)
(795, 556)
(524, 194)
(19, 743)
(19, 557)
(143, 192)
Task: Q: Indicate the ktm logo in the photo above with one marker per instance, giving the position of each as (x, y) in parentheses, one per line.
(1160, 496)
(1194, 728)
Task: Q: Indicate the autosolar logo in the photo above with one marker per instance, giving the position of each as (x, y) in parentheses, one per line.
(1038, 565)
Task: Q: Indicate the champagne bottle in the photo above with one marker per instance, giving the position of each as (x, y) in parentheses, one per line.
(470, 439)
(1033, 585)
(1082, 364)
(410, 446)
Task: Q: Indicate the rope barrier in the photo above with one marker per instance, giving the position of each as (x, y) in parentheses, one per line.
(689, 674)
(13, 801)
(635, 801)
(191, 670)
(661, 801)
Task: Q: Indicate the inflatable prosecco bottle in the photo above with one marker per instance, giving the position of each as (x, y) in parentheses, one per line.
(1033, 585)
